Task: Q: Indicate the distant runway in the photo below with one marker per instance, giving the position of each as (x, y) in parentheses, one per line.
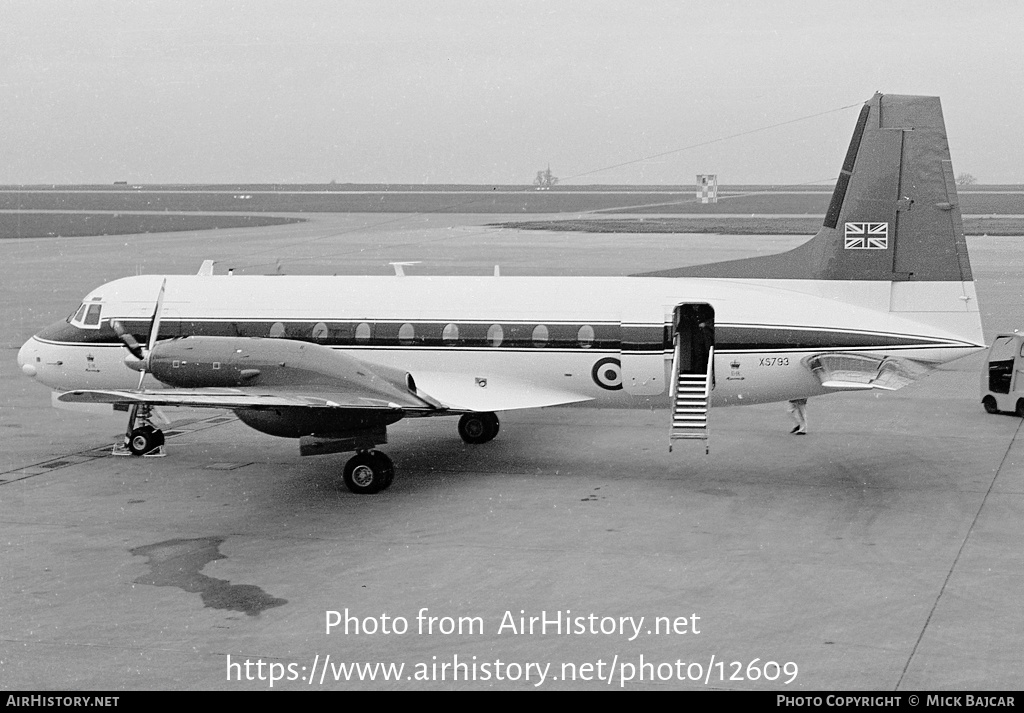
(431, 199)
(880, 552)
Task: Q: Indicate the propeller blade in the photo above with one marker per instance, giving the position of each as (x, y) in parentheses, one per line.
(129, 340)
(154, 328)
(142, 354)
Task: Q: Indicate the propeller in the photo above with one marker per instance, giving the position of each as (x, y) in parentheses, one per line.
(142, 353)
(129, 340)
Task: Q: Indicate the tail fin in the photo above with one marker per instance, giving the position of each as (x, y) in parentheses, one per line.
(894, 214)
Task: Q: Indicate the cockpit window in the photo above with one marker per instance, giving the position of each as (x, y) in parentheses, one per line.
(88, 315)
(92, 316)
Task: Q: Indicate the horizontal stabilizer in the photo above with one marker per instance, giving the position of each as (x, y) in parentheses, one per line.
(855, 371)
(465, 392)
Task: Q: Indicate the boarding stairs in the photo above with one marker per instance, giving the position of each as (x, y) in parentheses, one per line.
(691, 401)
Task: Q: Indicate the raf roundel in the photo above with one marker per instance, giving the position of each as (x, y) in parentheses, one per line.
(607, 373)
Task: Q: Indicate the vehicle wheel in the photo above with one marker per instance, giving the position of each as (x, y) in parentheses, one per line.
(366, 473)
(145, 439)
(386, 466)
(478, 427)
(990, 405)
(1020, 408)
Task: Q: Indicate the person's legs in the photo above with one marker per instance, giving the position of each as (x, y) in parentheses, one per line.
(798, 410)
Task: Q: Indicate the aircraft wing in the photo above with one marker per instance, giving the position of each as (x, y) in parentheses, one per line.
(273, 373)
(438, 393)
(237, 398)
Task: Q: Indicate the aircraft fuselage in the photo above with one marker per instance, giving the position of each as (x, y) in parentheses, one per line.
(608, 340)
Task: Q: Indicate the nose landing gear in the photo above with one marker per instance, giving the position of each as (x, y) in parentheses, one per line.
(145, 440)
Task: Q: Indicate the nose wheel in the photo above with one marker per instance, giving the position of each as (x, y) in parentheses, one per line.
(368, 472)
(145, 440)
(141, 440)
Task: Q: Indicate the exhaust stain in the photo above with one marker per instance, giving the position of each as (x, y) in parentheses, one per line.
(177, 563)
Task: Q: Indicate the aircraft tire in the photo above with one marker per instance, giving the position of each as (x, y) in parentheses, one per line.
(989, 404)
(478, 427)
(1020, 408)
(145, 439)
(368, 472)
(387, 466)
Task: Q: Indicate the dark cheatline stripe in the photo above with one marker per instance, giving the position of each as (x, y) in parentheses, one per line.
(644, 338)
(628, 338)
(769, 338)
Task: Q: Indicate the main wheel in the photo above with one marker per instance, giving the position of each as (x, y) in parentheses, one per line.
(145, 439)
(368, 472)
(386, 466)
(990, 405)
(478, 427)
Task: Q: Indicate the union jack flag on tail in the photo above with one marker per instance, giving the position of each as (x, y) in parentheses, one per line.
(867, 236)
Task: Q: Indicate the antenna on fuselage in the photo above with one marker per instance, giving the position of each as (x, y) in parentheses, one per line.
(399, 272)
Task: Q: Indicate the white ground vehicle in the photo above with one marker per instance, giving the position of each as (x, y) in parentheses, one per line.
(1002, 376)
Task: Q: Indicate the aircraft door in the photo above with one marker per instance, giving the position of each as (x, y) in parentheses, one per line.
(693, 338)
(1000, 364)
(642, 351)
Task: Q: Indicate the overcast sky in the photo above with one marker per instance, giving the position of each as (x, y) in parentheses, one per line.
(490, 92)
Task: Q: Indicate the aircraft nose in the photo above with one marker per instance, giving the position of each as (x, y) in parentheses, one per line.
(27, 357)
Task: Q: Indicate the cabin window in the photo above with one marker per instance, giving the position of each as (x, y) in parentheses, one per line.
(277, 331)
(450, 333)
(363, 333)
(540, 336)
(406, 334)
(495, 335)
(585, 336)
(320, 331)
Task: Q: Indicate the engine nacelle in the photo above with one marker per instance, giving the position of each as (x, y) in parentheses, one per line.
(328, 423)
(206, 362)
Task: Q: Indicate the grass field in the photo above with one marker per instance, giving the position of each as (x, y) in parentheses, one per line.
(991, 210)
(49, 225)
(485, 199)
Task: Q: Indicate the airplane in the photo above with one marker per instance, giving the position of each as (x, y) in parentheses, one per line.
(882, 294)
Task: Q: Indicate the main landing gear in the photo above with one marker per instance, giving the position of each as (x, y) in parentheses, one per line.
(478, 427)
(370, 471)
(144, 440)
